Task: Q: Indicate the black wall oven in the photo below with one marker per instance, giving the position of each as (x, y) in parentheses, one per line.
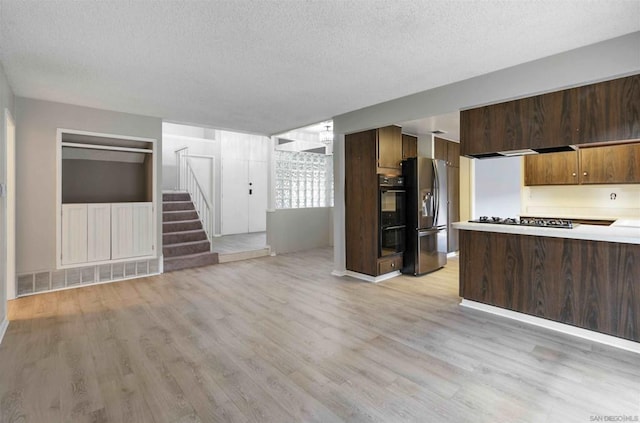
(392, 215)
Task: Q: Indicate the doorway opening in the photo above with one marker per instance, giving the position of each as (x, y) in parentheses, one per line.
(227, 177)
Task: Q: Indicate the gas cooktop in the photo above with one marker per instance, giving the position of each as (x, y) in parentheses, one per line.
(530, 221)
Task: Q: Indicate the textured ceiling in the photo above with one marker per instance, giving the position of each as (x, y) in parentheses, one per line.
(269, 66)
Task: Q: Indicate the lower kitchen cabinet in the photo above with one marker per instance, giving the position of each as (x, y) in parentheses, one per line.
(389, 264)
(584, 283)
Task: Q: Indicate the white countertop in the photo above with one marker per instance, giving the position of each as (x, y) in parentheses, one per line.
(613, 233)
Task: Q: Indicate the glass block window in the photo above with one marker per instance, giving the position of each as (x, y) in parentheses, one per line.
(303, 180)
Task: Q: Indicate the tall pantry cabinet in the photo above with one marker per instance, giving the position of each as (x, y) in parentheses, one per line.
(449, 151)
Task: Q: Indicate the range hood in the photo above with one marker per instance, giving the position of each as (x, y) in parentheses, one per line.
(524, 152)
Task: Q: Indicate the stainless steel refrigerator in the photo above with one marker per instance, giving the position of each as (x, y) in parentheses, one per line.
(426, 237)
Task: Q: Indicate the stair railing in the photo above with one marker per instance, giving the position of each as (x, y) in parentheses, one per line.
(187, 181)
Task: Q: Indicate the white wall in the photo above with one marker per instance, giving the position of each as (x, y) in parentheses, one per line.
(290, 230)
(606, 60)
(37, 122)
(497, 187)
(6, 101)
(582, 201)
(199, 140)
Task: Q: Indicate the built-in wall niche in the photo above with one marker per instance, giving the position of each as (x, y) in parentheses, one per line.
(106, 200)
(105, 170)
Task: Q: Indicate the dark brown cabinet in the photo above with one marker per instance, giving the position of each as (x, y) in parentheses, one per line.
(389, 149)
(589, 284)
(389, 264)
(552, 169)
(453, 206)
(605, 111)
(609, 111)
(449, 151)
(615, 164)
(446, 150)
(363, 154)
(440, 151)
(409, 146)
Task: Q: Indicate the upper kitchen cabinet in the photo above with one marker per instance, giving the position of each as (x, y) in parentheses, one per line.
(617, 164)
(551, 169)
(446, 150)
(606, 111)
(388, 143)
(409, 146)
(609, 111)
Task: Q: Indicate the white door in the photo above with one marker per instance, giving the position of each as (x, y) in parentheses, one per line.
(98, 232)
(258, 186)
(235, 196)
(8, 210)
(121, 230)
(74, 233)
(142, 214)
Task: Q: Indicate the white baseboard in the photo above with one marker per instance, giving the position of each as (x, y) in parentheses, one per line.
(3, 328)
(601, 338)
(339, 273)
(372, 279)
(452, 254)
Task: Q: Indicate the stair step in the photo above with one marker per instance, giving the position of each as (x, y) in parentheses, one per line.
(191, 260)
(173, 216)
(181, 226)
(176, 196)
(185, 248)
(184, 236)
(177, 205)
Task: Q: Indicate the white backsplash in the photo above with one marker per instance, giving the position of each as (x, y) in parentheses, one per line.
(581, 201)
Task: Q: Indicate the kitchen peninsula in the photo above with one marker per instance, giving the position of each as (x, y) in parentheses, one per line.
(587, 276)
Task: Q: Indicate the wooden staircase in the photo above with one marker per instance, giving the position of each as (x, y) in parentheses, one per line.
(184, 241)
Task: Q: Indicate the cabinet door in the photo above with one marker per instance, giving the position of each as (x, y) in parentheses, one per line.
(453, 203)
(121, 230)
(551, 169)
(409, 146)
(142, 234)
(74, 233)
(98, 232)
(609, 110)
(389, 149)
(618, 164)
(453, 154)
(440, 148)
(552, 119)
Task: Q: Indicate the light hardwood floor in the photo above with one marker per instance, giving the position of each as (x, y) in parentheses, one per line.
(279, 339)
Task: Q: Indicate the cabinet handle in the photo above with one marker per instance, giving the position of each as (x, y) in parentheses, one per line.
(393, 265)
(573, 174)
(584, 174)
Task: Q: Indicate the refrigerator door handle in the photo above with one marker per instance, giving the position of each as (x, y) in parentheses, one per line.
(436, 190)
